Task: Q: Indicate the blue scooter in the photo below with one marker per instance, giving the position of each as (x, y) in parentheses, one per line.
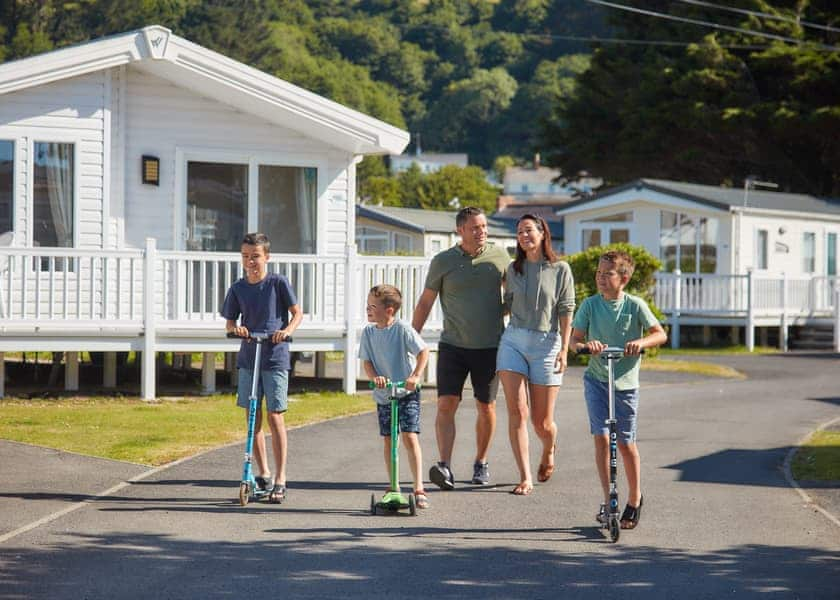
(248, 488)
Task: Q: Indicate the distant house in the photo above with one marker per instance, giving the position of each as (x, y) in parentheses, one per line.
(414, 231)
(546, 209)
(540, 184)
(709, 229)
(428, 162)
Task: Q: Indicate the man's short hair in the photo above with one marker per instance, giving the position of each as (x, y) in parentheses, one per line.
(257, 239)
(390, 296)
(465, 213)
(623, 262)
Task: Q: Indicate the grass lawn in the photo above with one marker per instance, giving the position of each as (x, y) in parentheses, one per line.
(152, 433)
(715, 350)
(155, 433)
(818, 458)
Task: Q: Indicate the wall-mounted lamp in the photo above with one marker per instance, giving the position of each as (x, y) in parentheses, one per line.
(782, 230)
(151, 170)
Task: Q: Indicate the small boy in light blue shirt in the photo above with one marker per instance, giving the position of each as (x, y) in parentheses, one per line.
(391, 350)
(615, 318)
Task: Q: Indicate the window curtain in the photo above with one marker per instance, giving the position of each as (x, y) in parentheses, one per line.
(59, 171)
(306, 197)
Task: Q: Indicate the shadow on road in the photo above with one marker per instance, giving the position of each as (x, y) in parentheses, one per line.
(375, 561)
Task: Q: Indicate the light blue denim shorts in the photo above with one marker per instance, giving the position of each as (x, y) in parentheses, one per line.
(531, 353)
(597, 398)
(273, 385)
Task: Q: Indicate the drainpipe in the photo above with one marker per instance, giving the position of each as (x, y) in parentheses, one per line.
(750, 333)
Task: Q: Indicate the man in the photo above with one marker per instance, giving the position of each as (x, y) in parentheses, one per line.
(468, 279)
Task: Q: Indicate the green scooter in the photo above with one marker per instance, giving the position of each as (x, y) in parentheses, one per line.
(394, 500)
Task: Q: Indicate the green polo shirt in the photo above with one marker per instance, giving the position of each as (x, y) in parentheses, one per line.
(614, 323)
(470, 292)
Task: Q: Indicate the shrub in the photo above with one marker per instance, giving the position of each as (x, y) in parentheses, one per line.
(584, 264)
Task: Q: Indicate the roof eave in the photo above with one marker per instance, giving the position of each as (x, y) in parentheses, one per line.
(271, 98)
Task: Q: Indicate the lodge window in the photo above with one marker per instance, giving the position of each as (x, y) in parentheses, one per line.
(218, 206)
(761, 250)
(688, 242)
(7, 185)
(611, 229)
(53, 200)
(831, 254)
(809, 251)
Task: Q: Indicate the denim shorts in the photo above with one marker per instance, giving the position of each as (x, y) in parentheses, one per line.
(531, 353)
(273, 385)
(597, 398)
(409, 409)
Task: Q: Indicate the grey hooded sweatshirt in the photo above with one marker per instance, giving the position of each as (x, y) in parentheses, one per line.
(540, 295)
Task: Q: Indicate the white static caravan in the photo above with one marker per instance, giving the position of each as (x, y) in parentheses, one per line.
(130, 168)
(730, 256)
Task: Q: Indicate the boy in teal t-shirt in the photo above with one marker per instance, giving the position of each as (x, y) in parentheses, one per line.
(615, 318)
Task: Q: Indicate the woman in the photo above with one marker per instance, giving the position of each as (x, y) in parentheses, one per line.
(540, 295)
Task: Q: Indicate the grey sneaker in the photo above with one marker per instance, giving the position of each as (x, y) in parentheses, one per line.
(441, 476)
(481, 473)
(602, 517)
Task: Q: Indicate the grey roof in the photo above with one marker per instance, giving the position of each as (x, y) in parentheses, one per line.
(725, 198)
(443, 221)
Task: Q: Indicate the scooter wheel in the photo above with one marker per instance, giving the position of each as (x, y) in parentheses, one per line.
(412, 505)
(244, 494)
(615, 529)
(373, 504)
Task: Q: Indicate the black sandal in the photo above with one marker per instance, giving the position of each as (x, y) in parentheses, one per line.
(278, 494)
(631, 515)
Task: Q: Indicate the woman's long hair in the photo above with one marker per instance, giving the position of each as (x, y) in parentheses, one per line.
(547, 250)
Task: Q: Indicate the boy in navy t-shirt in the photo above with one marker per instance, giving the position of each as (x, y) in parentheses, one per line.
(262, 302)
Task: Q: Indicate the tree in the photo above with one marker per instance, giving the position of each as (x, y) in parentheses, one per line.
(715, 111)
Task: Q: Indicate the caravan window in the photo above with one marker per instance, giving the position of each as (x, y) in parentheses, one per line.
(7, 185)
(809, 251)
(217, 205)
(831, 254)
(761, 249)
(288, 198)
(52, 194)
(688, 242)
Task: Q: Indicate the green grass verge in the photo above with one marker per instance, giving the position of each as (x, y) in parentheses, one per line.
(690, 366)
(818, 459)
(152, 433)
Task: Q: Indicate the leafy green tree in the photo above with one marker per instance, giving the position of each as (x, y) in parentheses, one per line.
(500, 165)
(467, 184)
(723, 107)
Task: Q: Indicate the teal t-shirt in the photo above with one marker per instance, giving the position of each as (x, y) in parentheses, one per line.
(614, 323)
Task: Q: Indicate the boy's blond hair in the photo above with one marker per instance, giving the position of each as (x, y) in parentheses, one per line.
(623, 262)
(391, 296)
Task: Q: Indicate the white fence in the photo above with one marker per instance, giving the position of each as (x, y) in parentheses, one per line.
(752, 298)
(150, 300)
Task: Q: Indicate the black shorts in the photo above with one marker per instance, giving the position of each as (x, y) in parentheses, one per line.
(455, 363)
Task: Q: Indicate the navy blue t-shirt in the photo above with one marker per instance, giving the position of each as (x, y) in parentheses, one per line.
(264, 307)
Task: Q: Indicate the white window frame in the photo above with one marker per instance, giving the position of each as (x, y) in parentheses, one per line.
(186, 154)
(813, 258)
(52, 138)
(757, 262)
(16, 168)
(606, 227)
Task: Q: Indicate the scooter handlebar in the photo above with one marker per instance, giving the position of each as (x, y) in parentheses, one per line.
(608, 350)
(256, 336)
(400, 385)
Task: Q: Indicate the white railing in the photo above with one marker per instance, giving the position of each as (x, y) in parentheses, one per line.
(85, 292)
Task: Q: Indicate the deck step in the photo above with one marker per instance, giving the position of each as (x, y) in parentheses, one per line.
(812, 337)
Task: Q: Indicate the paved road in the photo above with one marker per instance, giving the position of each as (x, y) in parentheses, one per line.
(719, 520)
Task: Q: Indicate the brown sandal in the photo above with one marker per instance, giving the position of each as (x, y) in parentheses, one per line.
(544, 472)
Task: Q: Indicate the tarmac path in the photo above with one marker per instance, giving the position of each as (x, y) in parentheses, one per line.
(719, 520)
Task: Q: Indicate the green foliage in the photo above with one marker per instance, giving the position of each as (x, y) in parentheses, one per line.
(723, 107)
(468, 75)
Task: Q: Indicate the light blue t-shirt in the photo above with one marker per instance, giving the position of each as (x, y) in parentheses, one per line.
(393, 351)
(614, 323)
